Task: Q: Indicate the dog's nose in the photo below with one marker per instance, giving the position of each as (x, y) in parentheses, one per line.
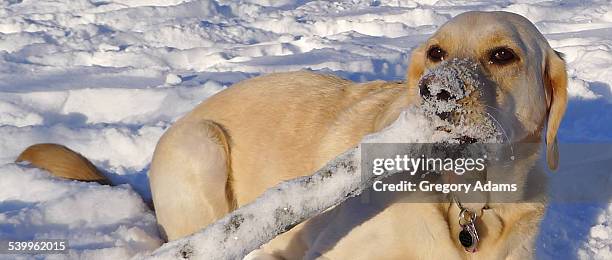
(440, 92)
(443, 95)
(424, 89)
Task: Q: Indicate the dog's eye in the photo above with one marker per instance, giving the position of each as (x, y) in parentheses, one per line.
(436, 54)
(502, 56)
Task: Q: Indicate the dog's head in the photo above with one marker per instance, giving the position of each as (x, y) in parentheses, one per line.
(496, 66)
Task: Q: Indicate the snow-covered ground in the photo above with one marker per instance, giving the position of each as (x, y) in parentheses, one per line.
(107, 77)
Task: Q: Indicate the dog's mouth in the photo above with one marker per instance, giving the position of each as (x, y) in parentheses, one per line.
(452, 94)
(462, 139)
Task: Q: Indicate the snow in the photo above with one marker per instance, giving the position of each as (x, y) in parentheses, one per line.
(173, 79)
(99, 221)
(106, 78)
(598, 245)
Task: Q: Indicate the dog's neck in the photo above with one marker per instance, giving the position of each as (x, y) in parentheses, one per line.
(498, 215)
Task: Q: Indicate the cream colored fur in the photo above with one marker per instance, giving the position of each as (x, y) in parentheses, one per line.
(264, 130)
(286, 125)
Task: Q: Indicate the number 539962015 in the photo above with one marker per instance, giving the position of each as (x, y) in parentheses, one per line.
(48, 246)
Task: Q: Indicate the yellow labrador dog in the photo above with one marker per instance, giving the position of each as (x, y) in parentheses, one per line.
(264, 130)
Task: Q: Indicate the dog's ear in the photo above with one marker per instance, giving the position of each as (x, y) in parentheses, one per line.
(416, 67)
(555, 81)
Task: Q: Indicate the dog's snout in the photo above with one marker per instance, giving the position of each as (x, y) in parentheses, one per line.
(448, 87)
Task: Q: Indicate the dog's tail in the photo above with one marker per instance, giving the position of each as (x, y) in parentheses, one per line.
(63, 162)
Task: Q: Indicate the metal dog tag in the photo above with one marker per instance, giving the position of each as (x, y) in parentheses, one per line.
(468, 236)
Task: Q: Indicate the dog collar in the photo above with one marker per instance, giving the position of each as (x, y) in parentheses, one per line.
(468, 236)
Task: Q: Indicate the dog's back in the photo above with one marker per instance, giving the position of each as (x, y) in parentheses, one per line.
(285, 125)
(276, 127)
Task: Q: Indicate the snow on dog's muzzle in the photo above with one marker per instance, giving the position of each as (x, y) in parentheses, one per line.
(454, 94)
